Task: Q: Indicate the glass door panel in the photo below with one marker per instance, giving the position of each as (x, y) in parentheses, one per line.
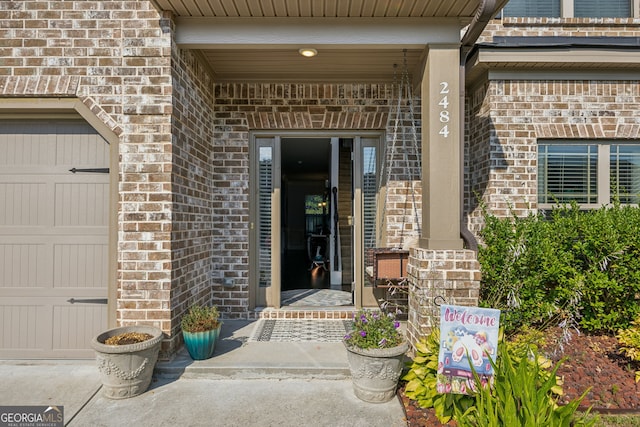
(369, 195)
(265, 223)
(367, 169)
(265, 191)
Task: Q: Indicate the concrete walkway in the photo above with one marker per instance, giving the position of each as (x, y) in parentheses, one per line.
(245, 384)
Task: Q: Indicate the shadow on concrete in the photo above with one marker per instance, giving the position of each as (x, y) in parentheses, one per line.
(233, 336)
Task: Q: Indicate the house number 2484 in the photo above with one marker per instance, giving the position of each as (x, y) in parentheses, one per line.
(445, 116)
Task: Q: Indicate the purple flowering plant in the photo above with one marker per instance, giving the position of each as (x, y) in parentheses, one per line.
(374, 329)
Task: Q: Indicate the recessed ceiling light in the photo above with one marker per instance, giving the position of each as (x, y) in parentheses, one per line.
(309, 53)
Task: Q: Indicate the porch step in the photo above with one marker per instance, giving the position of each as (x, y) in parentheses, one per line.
(237, 356)
(344, 312)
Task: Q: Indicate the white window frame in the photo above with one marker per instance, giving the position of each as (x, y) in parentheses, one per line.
(603, 165)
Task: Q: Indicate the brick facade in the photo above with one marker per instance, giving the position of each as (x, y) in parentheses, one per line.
(439, 277)
(183, 202)
(561, 27)
(193, 182)
(183, 151)
(506, 118)
(116, 58)
(241, 108)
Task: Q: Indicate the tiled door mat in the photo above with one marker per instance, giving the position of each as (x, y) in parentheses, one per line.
(301, 330)
(316, 298)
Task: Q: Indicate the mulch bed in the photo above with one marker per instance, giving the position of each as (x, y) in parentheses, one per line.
(591, 362)
(416, 416)
(595, 362)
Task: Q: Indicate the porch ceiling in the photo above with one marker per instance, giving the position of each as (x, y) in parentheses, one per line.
(357, 40)
(331, 65)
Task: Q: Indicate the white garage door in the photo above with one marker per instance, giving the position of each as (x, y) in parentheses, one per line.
(53, 238)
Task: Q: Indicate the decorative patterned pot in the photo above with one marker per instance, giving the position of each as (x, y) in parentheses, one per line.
(126, 370)
(375, 371)
(201, 345)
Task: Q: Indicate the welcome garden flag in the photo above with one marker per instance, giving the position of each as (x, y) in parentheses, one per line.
(468, 337)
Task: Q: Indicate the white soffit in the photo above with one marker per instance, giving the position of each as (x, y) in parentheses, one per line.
(321, 8)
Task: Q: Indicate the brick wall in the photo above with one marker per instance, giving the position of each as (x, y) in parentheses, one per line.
(241, 108)
(402, 213)
(565, 27)
(511, 116)
(145, 184)
(192, 185)
(116, 57)
(439, 277)
(506, 118)
(479, 144)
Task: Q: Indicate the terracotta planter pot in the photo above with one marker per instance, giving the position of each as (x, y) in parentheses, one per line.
(126, 370)
(201, 345)
(375, 371)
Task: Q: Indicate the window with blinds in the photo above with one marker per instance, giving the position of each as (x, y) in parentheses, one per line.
(589, 174)
(601, 8)
(625, 173)
(369, 192)
(567, 173)
(532, 8)
(265, 188)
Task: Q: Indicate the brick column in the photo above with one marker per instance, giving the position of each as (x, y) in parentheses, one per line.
(439, 276)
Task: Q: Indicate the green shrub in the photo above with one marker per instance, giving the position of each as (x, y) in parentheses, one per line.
(526, 338)
(629, 341)
(575, 267)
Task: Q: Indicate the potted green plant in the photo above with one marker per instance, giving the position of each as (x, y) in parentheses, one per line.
(375, 349)
(200, 330)
(126, 357)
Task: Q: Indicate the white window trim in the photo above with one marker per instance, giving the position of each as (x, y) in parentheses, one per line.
(604, 168)
(566, 8)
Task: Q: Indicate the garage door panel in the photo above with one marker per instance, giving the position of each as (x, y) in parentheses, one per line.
(81, 204)
(75, 325)
(37, 147)
(24, 265)
(80, 266)
(54, 238)
(20, 325)
(24, 203)
(80, 149)
(46, 143)
(42, 295)
(51, 235)
(72, 326)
